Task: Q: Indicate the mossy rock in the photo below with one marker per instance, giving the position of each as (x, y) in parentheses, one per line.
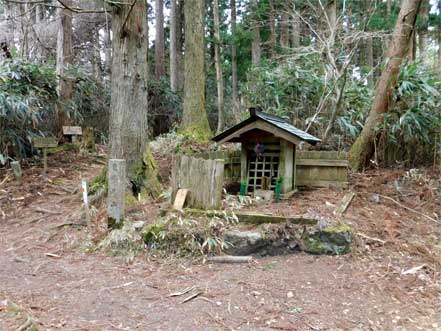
(334, 239)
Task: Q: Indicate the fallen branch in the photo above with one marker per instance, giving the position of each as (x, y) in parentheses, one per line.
(4, 180)
(67, 224)
(46, 211)
(230, 259)
(371, 238)
(186, 290)
(26, 325)
(53, 255)
(410, 209)
(191, 297)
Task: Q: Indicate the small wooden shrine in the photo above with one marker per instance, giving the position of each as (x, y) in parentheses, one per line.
(268, 150)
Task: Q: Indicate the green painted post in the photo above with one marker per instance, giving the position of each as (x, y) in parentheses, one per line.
(243, 188)
(277, 189)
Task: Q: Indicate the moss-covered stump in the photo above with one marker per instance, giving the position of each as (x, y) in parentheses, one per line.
(146, 180)
(88, 140)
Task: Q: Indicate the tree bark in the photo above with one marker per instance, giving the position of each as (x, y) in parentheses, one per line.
(218, 63)
(173, 45)
(388, 7)
(295, 34)
(194, 121)
(128, 109)
(159, 40)
(272, 25)
(284, 29)
(256, 51)
(370, 60)
(64, 59)
(234, 78)
(180, 42)
(107, 49)
(331, 21)
(424, 30)
(362, 149)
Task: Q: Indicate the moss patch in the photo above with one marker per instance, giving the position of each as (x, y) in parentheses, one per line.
(98, 183)
(146, 180)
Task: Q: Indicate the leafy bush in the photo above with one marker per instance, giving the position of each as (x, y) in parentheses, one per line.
(294, 88)
(412, 125)
(27, 96)
(27, 103)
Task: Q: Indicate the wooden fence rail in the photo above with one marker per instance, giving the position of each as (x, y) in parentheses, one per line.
(322, 168)
(203, 178)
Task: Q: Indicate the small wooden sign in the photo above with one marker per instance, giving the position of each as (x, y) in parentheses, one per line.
(49, 142)
(72, 130)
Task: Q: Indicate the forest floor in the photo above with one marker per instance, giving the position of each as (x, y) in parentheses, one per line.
(390, 280)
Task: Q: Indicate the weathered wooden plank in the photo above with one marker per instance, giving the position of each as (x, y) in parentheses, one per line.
(260, 218)
(321, 183)
(72, 130)
(344, 204)
(322, 163)
(322, 155)
(45, 142)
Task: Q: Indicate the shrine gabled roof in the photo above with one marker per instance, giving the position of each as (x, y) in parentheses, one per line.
(275, 121)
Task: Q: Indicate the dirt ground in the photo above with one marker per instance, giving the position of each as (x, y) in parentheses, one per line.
(54, 275)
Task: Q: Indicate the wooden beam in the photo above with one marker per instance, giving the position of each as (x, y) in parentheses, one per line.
(322, 163)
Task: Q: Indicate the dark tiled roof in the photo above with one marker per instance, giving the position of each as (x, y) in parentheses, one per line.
(273, 120)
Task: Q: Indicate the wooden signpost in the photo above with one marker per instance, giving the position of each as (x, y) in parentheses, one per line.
(44, 144)
(73, 131)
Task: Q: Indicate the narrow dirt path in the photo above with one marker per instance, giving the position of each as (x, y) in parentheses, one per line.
(74, 289)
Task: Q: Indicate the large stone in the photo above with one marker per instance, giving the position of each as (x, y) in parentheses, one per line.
(334, 239)
(244, 242)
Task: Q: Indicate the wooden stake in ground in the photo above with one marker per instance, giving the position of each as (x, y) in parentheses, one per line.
(86, 202)
(116, 192)
(16, 169)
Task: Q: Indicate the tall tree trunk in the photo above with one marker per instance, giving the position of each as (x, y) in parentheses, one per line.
(218, 63)
(388, 7)
(295, 34)
(234, 79)
(159, 40)
(284, 29)
(180, 42)
(370, 60)
(411, 52)
(331, 21)
(128, 109)
(24, 27)
(174, 45)
(256, 51)
(369, 48)
(424, 30)
(439, 48)
(272, 24)
(107, 49)
(362, 149)
(64, 59)
(194, 121)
